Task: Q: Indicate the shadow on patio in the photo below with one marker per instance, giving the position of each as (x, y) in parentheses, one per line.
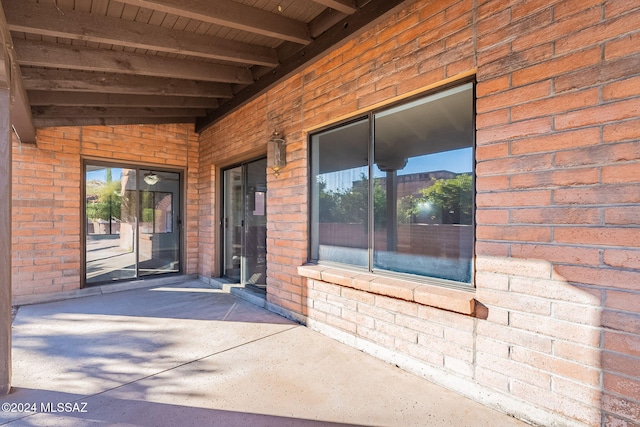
(187, 354)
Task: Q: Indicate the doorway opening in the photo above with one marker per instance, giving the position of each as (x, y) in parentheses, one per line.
(132, 222)
(244, 224)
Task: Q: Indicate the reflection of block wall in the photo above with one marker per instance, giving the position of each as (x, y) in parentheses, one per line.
(436, 240)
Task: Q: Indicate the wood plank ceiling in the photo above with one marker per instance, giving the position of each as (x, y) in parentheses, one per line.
(86, 62)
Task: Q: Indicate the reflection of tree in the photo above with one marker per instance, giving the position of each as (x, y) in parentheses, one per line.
(444, 201)
(449, 201)
(104, 199)
(349, 206)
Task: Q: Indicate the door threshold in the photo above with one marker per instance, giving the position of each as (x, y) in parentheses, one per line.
(247, 293)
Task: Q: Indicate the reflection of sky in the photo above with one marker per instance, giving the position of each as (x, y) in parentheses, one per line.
(101, 175)
(457, 161)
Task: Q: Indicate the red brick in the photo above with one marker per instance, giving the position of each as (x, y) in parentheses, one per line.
(514, 198)
(555, 216)
(557, 253)
(621, 406)
(557, 141)
(494, 151)
(492, 183)
(556, 178)
(624, 173)
(500, 99)
(513, 131)
(609, 278)
(622, 131)
(622, 386)
(567, 8)
(606, 236)
(558, 29)
(494, 118)
(595, 34)
(622, 258)
(560, 367)
(622, 343)
(548, 69)
(555, 105)
(622, 47)
(513, 233)
(494, 216)
(518, 371)
(624, 301)
(599, 195)
(599, 115)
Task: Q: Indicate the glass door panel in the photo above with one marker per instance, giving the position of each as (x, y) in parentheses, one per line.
(111, 224)
(245, 224)
(255, 247)
(159, 238)
(132, 223)
(233, 222)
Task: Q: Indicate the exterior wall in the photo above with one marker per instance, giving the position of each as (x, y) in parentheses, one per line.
(555, 336)
(47, 205)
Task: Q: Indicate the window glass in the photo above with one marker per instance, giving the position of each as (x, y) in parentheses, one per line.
(423, 186)
(340, 187)
(420, 197)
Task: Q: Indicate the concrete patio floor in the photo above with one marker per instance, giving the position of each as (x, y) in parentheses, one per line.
(187, 354)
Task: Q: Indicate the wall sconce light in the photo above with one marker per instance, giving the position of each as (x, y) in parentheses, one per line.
(276, 153)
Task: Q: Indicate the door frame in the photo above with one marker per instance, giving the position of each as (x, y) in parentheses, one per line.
(181, 204)
(220, 264)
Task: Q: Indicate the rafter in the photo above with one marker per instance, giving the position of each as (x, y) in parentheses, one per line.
(83, 99)
(21, 118)
(45, 79)
(52, 55)
(108, 121)
(344, 6)
(234, 15)
(56, 112)
(46, 19)
(350, 26)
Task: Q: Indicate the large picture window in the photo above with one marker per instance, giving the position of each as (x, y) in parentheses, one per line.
(394, 191)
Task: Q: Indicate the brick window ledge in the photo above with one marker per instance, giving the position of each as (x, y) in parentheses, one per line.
(456, 300)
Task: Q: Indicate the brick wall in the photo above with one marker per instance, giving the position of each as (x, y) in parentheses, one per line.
(556, 333)
(47, 206)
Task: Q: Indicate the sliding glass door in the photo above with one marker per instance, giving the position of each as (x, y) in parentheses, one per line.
(132, 223)
(245, 224)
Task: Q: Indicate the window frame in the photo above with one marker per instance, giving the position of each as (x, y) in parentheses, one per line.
(369, 116)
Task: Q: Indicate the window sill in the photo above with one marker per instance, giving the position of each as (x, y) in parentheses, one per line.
(455, 300)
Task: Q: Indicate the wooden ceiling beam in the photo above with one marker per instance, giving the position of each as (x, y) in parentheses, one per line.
(234, 15)
(21, 118)
(336, 36)
(108, 121)
(47, 20)
(344, 6)
(45, 79)
(84, 99)
(52, 55)
(58, 112)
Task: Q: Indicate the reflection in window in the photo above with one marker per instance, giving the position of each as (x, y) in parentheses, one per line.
(157, 212)
(341, 194)
(421, 195)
